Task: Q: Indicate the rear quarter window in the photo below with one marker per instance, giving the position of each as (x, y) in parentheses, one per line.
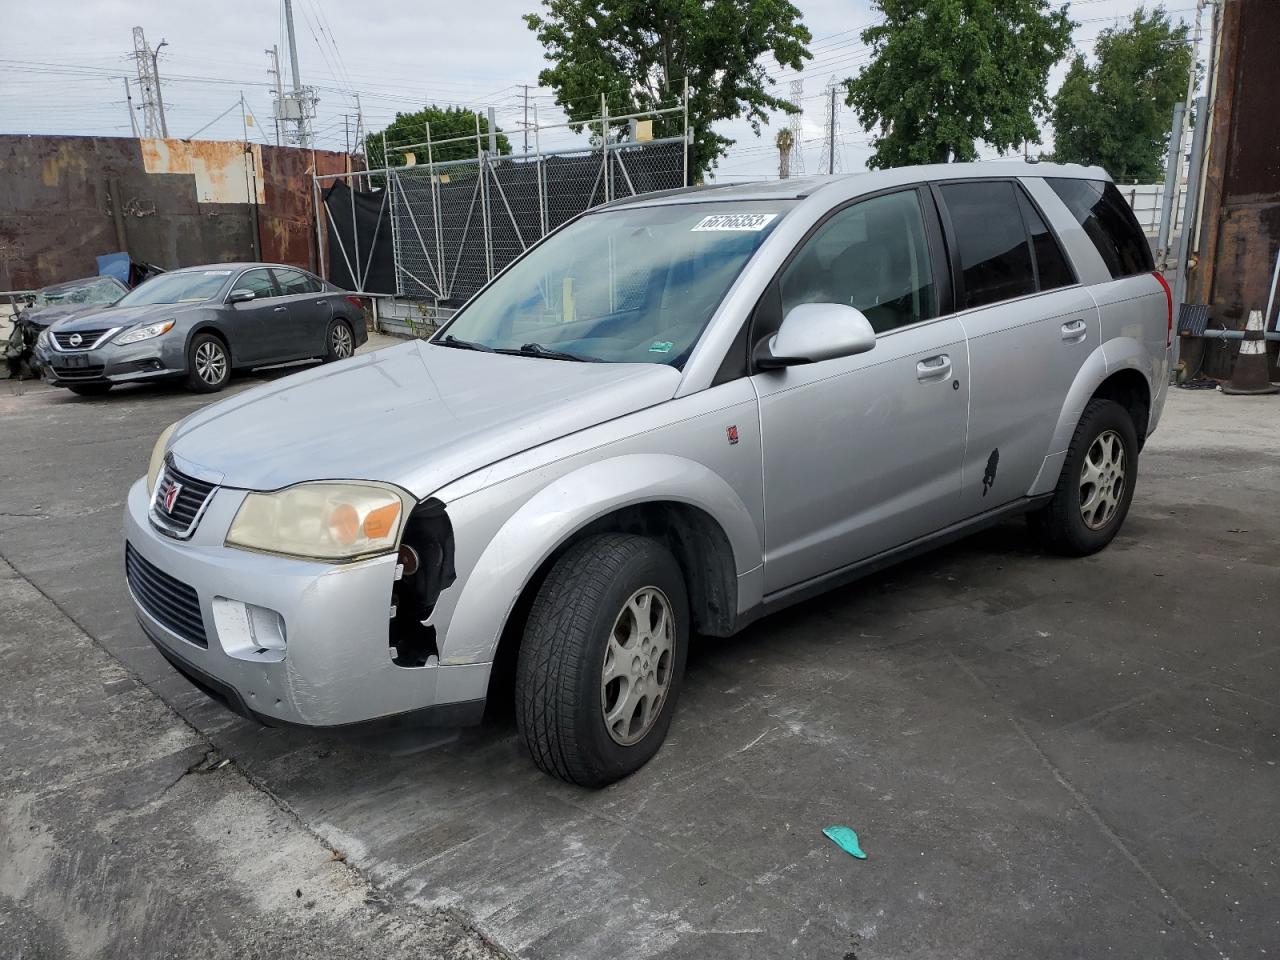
(1108, 221)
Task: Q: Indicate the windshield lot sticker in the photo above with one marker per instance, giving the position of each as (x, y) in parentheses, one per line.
(734, 221)
(661, 346)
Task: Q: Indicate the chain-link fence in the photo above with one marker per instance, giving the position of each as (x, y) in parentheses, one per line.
(457, 223)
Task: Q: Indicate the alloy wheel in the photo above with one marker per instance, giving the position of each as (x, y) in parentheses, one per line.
(211, 363)
(340, 340)
(638, 661)
(1102, 479)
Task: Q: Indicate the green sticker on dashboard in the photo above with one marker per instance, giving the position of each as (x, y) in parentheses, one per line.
(661, 346)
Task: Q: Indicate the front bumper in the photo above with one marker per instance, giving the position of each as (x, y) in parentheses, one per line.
(111, 363)
(336, 669)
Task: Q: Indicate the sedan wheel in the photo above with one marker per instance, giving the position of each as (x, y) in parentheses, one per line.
(341, 341)
(208, 365)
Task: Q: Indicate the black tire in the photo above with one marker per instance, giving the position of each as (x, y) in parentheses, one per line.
(90, 389)
(560, 697)
(339, 340)
(1060, 524)
(208, 363)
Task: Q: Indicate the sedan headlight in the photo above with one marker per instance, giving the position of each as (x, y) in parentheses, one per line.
(157, 458)
(322, 520)
(43, 339)
(145, 333)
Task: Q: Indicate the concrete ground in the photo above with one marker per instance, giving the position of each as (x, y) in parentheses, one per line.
(1043, 757)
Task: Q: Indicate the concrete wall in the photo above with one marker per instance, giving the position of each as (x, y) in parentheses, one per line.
(64, 200)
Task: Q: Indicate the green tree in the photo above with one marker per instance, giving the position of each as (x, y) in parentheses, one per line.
(639, 52)
(947, 73)
(1116, 112)
(446, 124)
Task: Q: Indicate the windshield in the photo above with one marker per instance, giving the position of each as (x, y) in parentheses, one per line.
(100, 290)
(632, 285)
(187, 287)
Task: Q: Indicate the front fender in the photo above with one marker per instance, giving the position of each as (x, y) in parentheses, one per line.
(567, 504)
(1116, 354)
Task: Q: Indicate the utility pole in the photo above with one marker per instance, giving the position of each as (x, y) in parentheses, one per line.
(128, 99)
(277, 88)
(155, 72)
(833, 122)
(299, 105)
(526, 118)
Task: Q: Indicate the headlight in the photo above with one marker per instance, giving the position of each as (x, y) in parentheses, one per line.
(43, 339)
(157, 457)
(322, 520)
(145, 333)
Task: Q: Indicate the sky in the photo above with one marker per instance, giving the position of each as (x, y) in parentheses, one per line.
(63, 65)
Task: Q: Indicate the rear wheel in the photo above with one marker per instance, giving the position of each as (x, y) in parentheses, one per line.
(208, 363)
(90, 389)
(340, 341)
(602, 659)
(1096, 486)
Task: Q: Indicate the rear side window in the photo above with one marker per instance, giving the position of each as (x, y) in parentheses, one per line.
(294, 282)
(991, 241)
(1109, 222)
(1052, 268)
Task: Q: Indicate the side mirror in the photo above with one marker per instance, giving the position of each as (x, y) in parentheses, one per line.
(242, 295)
(816, 331)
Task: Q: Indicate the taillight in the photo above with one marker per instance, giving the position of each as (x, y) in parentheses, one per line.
(1168, 296)
(359, 304)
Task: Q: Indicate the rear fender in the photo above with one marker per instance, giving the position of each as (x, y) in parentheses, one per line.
(549, 518)
(1116, 354)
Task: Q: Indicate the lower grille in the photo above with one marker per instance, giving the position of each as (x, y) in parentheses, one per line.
(169, 600)
(91, 371)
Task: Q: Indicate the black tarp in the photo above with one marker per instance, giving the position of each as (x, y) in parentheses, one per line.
(370, 230)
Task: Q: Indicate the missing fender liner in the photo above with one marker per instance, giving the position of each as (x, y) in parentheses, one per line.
(430, 535)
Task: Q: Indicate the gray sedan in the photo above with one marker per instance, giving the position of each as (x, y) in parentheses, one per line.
(200, 324)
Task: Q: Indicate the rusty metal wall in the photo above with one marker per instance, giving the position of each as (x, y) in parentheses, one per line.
(65, 200)
(1240, 223)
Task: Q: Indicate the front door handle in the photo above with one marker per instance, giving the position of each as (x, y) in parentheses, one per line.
(1074, 330)
(934, 368)
(279, 309)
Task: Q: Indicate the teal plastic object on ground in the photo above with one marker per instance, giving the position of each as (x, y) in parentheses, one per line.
(846, 840)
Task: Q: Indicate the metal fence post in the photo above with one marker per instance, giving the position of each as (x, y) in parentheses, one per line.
(684, 100)
(541, 176)
(604, 147)
(481, 171)
(391, 184)
(1189, 213)
(1172, 170)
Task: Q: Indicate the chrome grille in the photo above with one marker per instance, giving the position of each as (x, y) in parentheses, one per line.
(167, 599)
(84, 339)
(177, 511)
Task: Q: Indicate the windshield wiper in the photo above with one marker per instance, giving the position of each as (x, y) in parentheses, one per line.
(538, 350)
(451, 341)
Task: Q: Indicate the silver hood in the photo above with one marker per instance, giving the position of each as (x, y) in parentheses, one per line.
(416, 415)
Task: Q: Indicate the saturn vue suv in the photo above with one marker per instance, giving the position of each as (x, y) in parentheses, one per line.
(672, 416)
(199, 325)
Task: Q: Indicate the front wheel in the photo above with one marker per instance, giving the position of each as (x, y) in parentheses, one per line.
(602, 658)
(208, 364)
(1095, 488)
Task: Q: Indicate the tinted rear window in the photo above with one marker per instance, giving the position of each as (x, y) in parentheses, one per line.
(1100, 209)
(1052, 268)
(995, 258)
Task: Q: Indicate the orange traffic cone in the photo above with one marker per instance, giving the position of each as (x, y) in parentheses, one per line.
(1249, 374)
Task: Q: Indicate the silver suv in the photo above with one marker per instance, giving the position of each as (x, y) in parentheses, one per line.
(672, 416)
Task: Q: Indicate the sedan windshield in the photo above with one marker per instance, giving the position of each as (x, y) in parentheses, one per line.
(186, 287)
(99, 290)
(632, 285)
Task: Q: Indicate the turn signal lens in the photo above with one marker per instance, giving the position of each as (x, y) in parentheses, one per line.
(322, 521)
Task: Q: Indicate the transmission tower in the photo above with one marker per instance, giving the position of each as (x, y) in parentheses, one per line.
(795, 161)
(153, 120)
(834, 162)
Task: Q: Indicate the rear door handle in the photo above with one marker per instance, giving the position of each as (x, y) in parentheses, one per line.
(1074, 330)
(279, 309)
(934, 368)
